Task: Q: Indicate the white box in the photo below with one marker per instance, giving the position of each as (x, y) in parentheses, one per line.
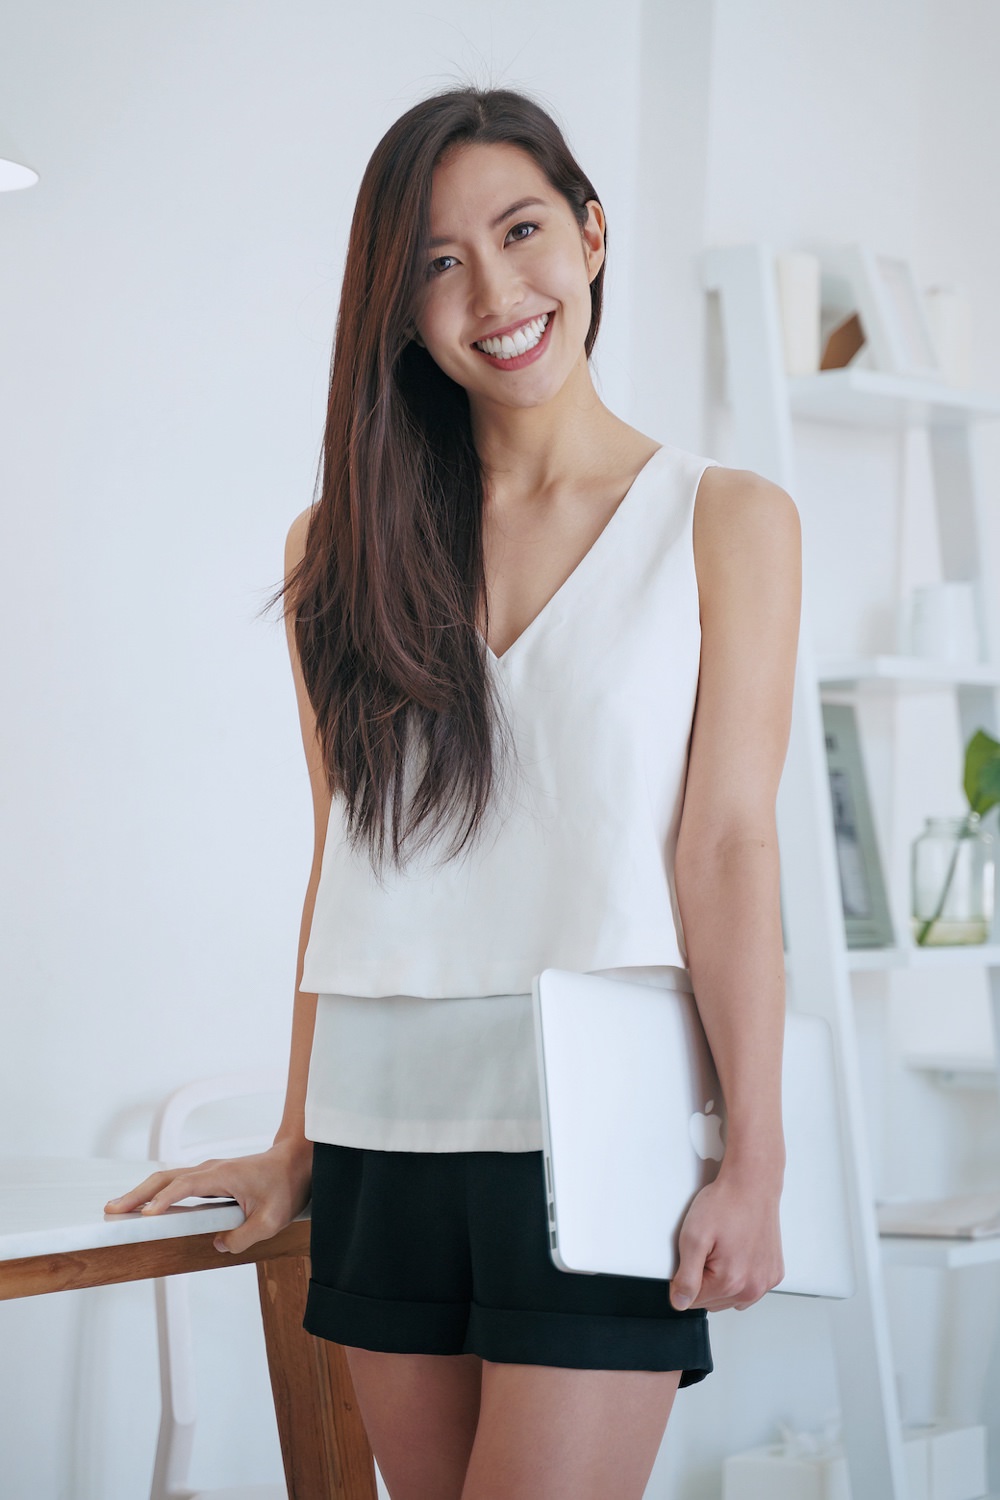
(771, 1473)
(957, 1462)
(943, 1462)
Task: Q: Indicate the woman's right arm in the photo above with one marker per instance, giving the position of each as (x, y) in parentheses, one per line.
(273, 1186)
(291, 1131)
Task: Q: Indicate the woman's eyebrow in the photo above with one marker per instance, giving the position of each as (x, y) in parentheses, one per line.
(515, 208)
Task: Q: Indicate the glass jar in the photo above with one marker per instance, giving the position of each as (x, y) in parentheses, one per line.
(952, 876)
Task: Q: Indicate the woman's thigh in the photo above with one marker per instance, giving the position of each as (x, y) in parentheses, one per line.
(420, 1413)
(548, 1433)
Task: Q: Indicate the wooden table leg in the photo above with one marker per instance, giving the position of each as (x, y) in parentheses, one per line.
(323, 1441)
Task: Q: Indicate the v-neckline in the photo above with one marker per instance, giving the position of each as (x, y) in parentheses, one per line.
(594, 546)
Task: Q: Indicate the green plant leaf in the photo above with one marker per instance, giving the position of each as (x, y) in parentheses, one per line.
(982, 772)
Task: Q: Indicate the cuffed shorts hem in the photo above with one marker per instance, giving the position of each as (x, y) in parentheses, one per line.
(584, 1341)
(392, 1327)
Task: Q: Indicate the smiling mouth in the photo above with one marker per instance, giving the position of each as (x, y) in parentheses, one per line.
(524, 338)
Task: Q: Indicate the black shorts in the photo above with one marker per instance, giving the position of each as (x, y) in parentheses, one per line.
(447, 1252)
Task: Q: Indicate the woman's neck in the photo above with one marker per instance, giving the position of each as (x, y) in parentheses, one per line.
(535, 450)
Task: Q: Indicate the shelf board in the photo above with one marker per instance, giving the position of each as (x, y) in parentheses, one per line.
(911, 1250)
(963, 956)
(875, 399)
(955, 1070)
(903, 673)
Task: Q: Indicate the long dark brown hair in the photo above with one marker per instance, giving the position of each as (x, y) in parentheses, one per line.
(387, 596)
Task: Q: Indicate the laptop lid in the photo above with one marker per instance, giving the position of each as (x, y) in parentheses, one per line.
(634, 1125)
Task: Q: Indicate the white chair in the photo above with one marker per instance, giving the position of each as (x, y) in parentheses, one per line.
(168, 1144)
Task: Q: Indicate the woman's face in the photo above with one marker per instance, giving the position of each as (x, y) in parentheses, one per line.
(495, 264)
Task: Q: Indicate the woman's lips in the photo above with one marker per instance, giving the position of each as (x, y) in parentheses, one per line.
(518, 361)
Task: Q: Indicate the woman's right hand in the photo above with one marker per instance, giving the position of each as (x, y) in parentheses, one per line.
(272, 1188)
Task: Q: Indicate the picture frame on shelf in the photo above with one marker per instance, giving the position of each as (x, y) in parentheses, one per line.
(867, 919)
(883, 291)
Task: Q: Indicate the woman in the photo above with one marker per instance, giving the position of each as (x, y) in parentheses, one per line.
(545, 665)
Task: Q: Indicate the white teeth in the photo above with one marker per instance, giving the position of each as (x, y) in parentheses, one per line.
(518, 342)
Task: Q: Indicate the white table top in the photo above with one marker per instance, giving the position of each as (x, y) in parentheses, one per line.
(53, 1204)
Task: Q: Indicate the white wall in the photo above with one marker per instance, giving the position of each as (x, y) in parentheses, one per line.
(169, 290)
(168, 294)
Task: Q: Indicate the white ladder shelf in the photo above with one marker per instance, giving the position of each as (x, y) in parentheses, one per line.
(764, 400)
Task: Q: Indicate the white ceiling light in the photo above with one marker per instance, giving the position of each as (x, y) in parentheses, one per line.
(13, 172)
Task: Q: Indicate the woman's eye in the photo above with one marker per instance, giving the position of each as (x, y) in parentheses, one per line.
(519, 231)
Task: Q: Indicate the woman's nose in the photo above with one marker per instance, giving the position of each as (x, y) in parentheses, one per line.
(496, 291)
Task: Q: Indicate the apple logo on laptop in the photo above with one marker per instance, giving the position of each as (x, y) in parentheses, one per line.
(706, 1133)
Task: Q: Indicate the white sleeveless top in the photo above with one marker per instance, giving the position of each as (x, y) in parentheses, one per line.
(424, 1037)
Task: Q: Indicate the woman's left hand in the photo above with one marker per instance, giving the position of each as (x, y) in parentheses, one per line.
(730, 1245)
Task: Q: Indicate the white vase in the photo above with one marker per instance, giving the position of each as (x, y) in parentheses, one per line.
(798, 277)
(951, 329)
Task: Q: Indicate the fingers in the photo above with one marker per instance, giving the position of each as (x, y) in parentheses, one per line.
(138, 1195)
(162, 1189)
(717, 1291)
(729, 1251)
(262, 1224)
(685, 1284)
(714, 1287)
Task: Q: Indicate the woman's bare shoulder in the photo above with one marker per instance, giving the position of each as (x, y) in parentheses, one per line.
(740, 492)
(741, 517)
(295, 542)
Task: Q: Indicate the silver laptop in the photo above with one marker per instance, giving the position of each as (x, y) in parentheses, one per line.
(634, 1125)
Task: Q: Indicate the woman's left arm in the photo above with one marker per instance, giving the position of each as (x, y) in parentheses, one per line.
(748, 559)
